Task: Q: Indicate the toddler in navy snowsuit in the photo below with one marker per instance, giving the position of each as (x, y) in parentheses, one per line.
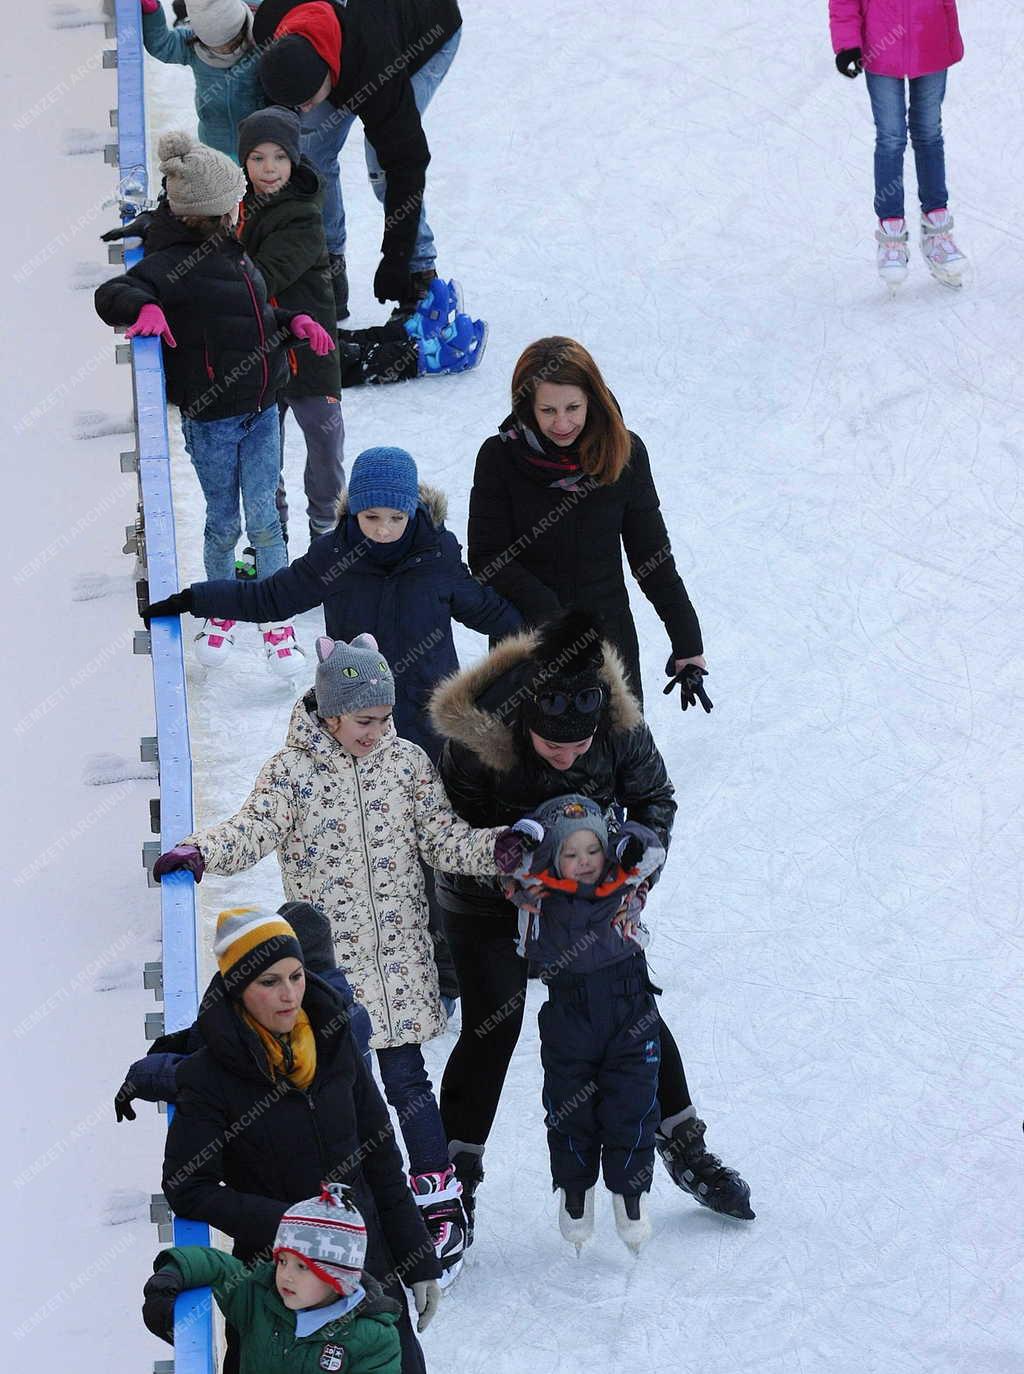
(580, 891)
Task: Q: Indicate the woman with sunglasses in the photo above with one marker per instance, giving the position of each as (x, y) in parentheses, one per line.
(546, 713)
(559, 493)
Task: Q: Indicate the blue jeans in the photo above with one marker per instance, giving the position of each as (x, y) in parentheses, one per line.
(239, 456)
(889, 107)
(408, 1089)
(324, 131)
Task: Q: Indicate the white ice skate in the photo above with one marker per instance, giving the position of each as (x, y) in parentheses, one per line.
(284, 657)
(631, 1220)
(215, 641)
(439, 1197)
(945, 261)
(576, 1216)
(893, 255)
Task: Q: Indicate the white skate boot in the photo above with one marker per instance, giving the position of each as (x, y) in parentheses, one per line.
(893, 256)
(284, 657)
(631, 1220)
(215, 641)
(945, 261)
(576, 1216)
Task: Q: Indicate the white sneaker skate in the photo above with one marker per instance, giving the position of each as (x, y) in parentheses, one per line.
(945, 261)
(215, 641)
(631, 1220)
(893, 255)
(284, 657)
(576, 1216)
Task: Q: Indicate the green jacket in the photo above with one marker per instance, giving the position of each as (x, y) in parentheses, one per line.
(284, 236)
(365, 1341)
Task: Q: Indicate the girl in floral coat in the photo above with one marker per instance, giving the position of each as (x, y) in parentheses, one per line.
(350, 809)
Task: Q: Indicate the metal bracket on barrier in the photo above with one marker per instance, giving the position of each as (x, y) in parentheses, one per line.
(109, 57)
(111, 155)
(113, 119)
(153, 977)
(160, 1216)
(154, 1024)
(154, 815)
(141, 642)
(149, 749)
(129, 462)
(115, 252)
(122, 353)
(163, 1367)
(150, 854)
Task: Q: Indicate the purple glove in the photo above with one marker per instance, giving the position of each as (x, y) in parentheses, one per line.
(305, 327)
(512, 846)
(151, 321)
(181, 856)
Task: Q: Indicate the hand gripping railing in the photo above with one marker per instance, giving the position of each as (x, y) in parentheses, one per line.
(151, 540)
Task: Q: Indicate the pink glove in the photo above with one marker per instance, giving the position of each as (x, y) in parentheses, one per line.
(150, 6)
(303, 327)
(151, 321)
(181, 856)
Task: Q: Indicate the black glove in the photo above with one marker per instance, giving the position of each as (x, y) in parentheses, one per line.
(175, 604)
(391, 282)
(158, 1301)
(629, 852)
(135, 228)
(849, 62)
(689, 681)
(123, 1109)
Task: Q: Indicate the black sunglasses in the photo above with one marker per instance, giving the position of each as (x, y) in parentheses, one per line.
(586, 701)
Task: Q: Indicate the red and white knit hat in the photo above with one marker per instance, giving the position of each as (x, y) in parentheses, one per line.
(327, 1233)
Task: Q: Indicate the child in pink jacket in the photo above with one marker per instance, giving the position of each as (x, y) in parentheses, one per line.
(900, 44)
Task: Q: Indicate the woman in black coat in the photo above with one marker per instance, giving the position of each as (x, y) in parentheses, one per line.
(559, 492)
(544, 714)
(276, 1102)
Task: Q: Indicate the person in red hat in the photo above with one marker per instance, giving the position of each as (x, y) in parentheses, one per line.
(382, 60)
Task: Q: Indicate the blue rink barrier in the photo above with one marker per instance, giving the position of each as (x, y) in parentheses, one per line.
(153, 542)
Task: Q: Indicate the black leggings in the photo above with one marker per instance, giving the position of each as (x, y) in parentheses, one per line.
(492, 978)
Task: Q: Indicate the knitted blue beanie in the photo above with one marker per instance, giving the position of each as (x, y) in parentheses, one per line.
(384, 477)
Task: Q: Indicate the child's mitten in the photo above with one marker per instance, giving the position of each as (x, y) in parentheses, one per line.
(305, 327)
(158, 1301)
(512, 846)
(181, 856)
(151, 321)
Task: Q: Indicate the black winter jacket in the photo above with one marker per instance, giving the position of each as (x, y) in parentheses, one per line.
(284, 236)
(548, 548)
(493, 776)
(241, 1149)
(408, 608)
(383, 43)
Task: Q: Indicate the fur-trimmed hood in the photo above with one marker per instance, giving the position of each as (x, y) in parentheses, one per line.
(478, 707)
(433, 502)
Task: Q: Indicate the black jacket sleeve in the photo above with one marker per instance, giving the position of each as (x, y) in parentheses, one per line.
(193, 1179)
(119, 300)
(480, 608)
(468, 782)
(299, 587)
(494, 543)
(642, 784)
(406, 1235)
(649, 552)
(393, 127)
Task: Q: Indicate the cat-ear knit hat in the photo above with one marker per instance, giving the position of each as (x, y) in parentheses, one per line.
(351, 677)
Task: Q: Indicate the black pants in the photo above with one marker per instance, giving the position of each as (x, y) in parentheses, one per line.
(599, 1047)
(492, 979)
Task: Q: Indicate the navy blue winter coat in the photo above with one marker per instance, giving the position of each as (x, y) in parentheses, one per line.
(408, 608)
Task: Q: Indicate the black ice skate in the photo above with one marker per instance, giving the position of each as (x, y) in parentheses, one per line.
(702, 1174)
(467, 1160)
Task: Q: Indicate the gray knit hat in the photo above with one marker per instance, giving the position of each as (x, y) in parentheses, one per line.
(200, 181)
(215, 22)
(351, 677)
(561, 816)
(272, 125)
(327, 1233)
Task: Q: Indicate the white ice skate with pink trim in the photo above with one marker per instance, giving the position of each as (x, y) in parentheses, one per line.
(284, 657)
(893, 255)
(215, 641)
(945, 261)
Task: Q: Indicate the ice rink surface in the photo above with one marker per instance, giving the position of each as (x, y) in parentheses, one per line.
(838, 932)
